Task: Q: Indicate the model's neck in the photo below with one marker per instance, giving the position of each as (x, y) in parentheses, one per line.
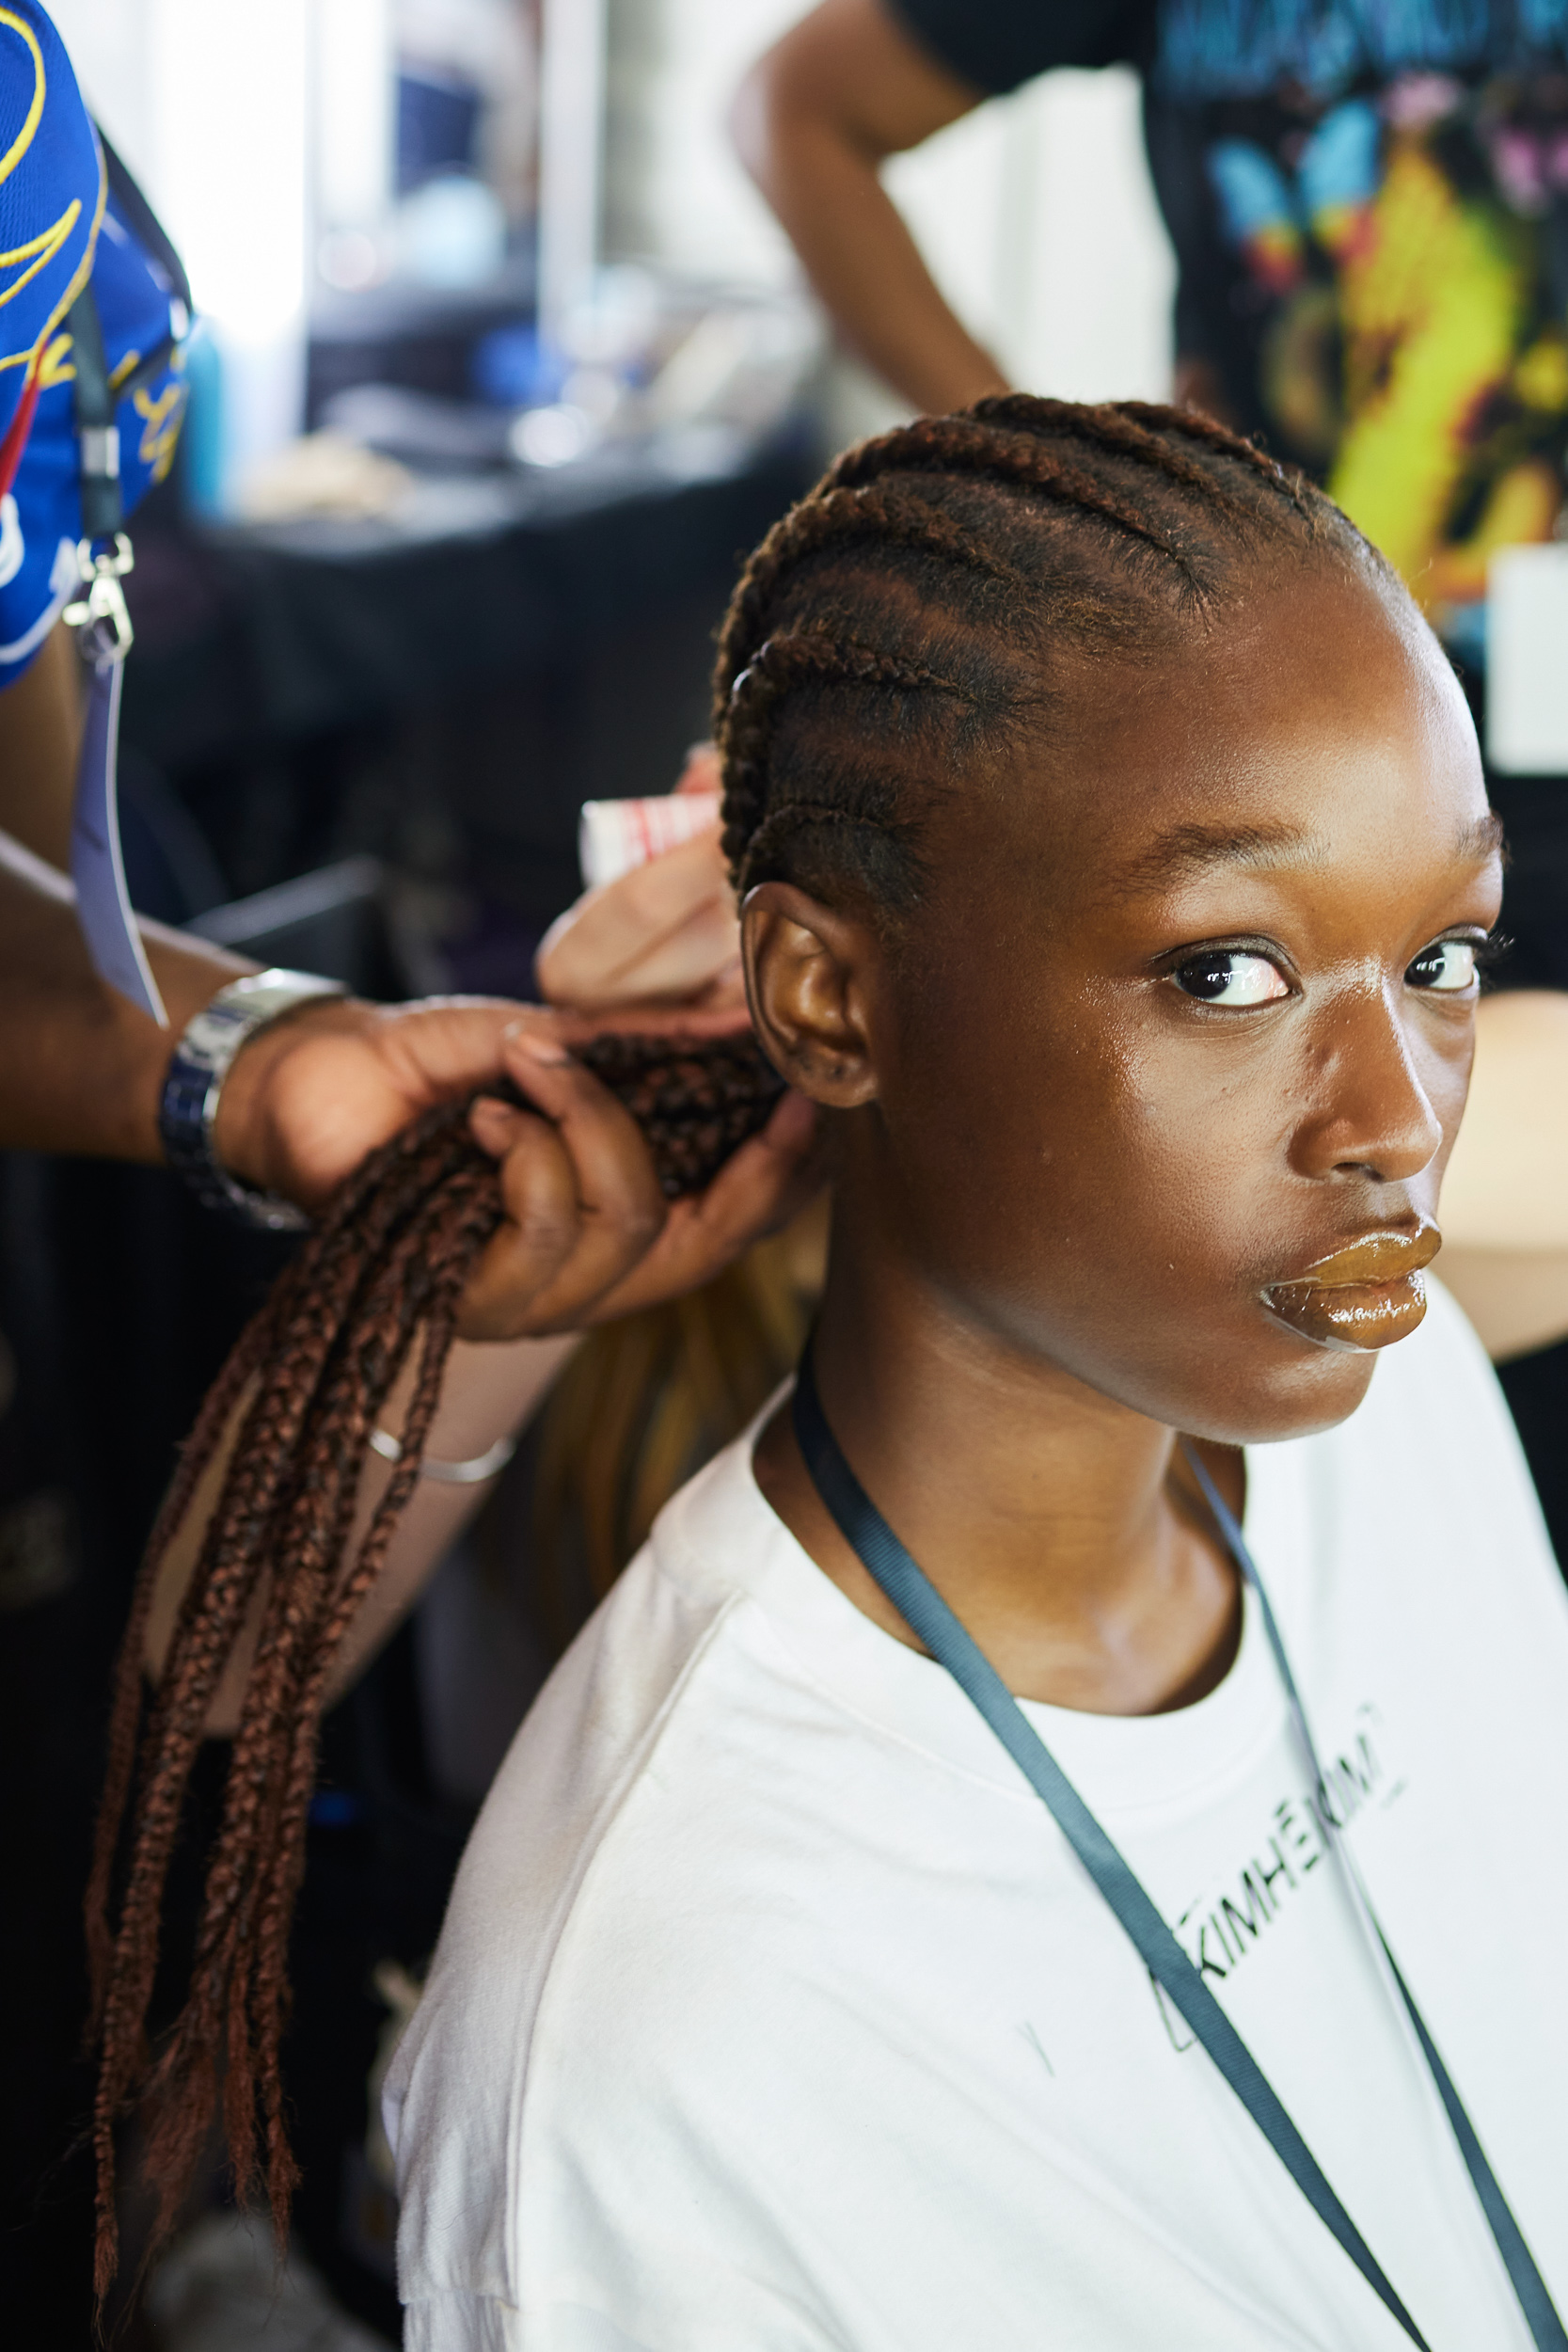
(1047, 1515)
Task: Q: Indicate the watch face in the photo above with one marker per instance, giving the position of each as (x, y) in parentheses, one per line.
(214, 1032)
(201, 1061)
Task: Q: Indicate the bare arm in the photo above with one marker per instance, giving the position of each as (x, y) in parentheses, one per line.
(83, 1069)
(812, 122)
(489, 1393)
(40, 734)
(1505, 1197)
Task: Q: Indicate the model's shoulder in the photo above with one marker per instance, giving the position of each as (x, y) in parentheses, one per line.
(588, 1739)
(596, 1724)
(596, 1793)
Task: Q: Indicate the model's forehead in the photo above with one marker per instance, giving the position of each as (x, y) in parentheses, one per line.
(1317, 715)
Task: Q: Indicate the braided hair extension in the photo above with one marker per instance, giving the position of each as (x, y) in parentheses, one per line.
(376, 1283)
(908, 613)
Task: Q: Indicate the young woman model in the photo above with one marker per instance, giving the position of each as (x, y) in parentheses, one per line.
(1118, 868)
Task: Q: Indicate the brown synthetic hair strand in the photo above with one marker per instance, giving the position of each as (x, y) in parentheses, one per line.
(378, 1282)
(385, 1270)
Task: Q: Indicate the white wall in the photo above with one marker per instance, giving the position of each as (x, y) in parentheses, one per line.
(1036, 213)
(109, 45)
(207, 100)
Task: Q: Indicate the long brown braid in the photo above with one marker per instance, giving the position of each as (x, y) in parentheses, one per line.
(387, 1264)
(378, 1281)
(909, 613)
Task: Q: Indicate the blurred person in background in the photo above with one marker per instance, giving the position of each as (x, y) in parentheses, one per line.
(1369, 207)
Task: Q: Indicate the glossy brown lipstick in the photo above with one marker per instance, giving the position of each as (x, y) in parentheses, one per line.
(1367, 1294)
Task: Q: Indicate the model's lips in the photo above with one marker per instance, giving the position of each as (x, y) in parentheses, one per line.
(1367, 1294)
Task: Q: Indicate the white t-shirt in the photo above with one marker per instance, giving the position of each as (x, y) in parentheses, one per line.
(771, 2012)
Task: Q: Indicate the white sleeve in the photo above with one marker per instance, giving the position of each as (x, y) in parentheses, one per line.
(478, 2323)
(461, 2323)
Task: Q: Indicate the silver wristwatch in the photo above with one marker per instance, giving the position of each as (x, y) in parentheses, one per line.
(195, 1081)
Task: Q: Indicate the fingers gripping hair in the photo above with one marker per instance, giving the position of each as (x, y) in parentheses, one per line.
(909, 610)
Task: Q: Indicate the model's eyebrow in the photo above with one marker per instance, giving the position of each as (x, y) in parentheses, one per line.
(1183, 851)
(1481, 838)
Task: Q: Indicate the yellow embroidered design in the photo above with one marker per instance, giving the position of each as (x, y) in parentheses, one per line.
(44, 247)
(161, 417)
(49, 241)
(56, 367)
(25, 138)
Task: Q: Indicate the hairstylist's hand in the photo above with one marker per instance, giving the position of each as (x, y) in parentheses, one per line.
(310, 1095)
(667, 931)
(589, 1234)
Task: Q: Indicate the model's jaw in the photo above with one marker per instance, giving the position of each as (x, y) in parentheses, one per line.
(1365, 1295)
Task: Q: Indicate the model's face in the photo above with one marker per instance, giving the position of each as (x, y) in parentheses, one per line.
(1164, 1087)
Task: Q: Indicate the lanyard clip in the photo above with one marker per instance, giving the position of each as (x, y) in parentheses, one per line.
(101, 615)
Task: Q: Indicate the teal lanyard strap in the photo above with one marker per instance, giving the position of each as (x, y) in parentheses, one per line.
(933, 1623)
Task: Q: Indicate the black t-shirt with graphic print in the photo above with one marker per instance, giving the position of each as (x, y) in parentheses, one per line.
(1369, 203)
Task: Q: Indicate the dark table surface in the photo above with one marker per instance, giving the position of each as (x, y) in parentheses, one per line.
(467, 671)
(283, 629)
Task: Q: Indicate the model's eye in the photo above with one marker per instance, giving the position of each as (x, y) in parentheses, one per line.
(1231, 976)
(1449, 966)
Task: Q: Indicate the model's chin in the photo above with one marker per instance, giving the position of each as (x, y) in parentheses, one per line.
(1270, 1384)
(1356, 1316)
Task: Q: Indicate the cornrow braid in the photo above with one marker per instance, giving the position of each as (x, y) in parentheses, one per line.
(1193, 425)
(1008, 458)
(1045, 528)
(890, 514)
(896, 513)
(781, 666)
(1124, 430)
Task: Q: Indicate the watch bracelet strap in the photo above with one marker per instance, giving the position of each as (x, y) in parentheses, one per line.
(201, 1061)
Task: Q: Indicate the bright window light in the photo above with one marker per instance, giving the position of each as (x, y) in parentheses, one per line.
(230, 88)
(354, 112)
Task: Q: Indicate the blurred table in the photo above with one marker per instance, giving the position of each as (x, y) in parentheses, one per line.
(444, 688)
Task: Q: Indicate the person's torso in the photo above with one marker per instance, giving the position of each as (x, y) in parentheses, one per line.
(143, 317)
(834, 2045)
(1369, 205)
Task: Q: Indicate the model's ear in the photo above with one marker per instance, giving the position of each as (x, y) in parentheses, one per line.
(810, 974)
